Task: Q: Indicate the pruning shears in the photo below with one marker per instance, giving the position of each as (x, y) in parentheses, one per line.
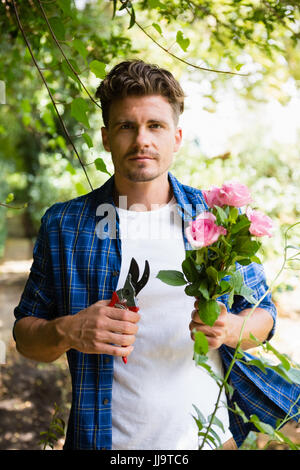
(125, 298)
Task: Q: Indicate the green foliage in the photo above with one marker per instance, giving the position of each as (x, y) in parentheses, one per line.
(72, 46)
(55, 431)
(284, 368)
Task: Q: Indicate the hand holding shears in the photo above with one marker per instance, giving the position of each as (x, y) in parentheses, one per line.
(125, 298)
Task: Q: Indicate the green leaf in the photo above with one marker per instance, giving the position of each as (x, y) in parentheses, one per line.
(229, 389)
(65, 6)
(294, 375)
(258, 363)
(213, 433)
(200, 416)
(10, 197)
(230, 298)
(182, 41)
(250, 443)
(201, 344)
(100, 165)
(70, 169)
(132, 18)
(155, 4)
(208, 437)
(157, 27)
(217, 422)
(243, 261)
(81, 190)
(233, 214)
(247, 293)
(198, 422)
(115, 8)
(237, 410)
(261, 426)
(243, 223)
(69, 72)
(240, 288)
(172, 278)
(79, 46)
(212, 274)
(283, 359)
(281, 437)
(225, 287)
(88, 140)
(208, 310)
(98, 68)
(57, 28)
(192, 289)
(189, 269)
(79, 109)
(203, 289)
(236, 281)
(245, 246)
(221, 216)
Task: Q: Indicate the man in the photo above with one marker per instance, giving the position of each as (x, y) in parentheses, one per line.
(147, 403)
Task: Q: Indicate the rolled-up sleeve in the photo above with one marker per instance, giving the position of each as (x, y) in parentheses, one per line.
(37, 299)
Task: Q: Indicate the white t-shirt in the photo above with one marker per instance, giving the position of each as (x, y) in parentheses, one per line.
(153, 394)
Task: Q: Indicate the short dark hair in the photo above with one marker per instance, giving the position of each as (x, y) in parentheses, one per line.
(135, 77)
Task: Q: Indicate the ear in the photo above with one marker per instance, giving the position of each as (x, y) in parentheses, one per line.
(178, 139)
(105, 140)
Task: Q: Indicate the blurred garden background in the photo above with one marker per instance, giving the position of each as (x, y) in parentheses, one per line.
(239, 64)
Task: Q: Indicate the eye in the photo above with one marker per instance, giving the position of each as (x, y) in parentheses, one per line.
(126, 126)
(156, 125)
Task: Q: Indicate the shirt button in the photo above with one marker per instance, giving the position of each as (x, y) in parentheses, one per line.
(105, 401)
(115, 273)
(106, 360)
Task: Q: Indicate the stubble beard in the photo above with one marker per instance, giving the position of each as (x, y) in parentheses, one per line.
(140, 172)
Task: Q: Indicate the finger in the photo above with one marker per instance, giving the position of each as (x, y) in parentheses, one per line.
(122, 314)
(195, 316)
(205, 329)
(121, 326)
(120, 351)
(121, 340)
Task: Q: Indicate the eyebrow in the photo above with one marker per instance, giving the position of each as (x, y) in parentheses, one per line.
(129, 121)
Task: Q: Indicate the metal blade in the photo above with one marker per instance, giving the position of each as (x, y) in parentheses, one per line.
(138, 286)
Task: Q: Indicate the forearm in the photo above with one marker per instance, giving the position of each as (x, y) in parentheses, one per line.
(259, 323)
(40, 339)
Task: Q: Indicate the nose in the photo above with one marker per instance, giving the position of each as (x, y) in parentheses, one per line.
(142, 138)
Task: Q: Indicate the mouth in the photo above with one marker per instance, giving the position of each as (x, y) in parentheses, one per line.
(141, 158)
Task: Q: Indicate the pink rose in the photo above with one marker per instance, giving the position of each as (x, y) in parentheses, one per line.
(230, 194)
(261, 224)
(212, 197)
(203, 231)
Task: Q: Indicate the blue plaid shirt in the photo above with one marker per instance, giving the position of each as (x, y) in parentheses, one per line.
(73, 267)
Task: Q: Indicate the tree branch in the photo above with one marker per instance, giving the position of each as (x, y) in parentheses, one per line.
(64, 55)
(185, 61)
(49, 92)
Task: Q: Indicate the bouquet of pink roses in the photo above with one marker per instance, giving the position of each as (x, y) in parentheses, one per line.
(220, 238)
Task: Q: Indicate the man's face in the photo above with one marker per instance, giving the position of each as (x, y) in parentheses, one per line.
(142, 137)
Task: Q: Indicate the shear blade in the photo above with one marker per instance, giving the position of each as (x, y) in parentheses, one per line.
(134, 271)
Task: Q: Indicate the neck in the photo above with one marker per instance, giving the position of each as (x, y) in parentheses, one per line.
(142, 196)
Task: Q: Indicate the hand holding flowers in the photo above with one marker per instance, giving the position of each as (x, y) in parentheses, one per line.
(220, 238)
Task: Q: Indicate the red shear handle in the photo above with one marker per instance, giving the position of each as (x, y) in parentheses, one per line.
(116, 301)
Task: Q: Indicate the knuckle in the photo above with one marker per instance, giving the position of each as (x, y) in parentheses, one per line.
(127, 327)
(115, 351)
